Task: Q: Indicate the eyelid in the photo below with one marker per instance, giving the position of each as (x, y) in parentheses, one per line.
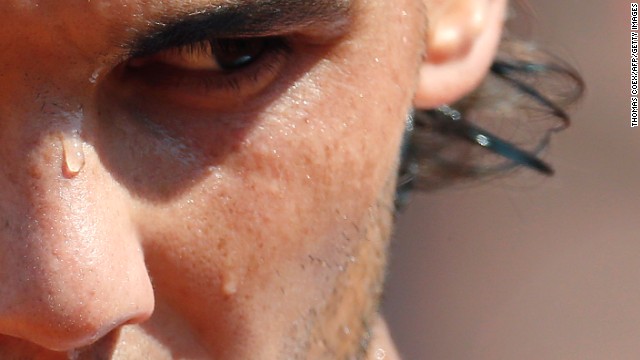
(229, 24)
(208, 89)
(208, 55)
(181, 55)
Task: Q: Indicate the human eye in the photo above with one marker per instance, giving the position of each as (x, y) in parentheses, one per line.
(216, 72)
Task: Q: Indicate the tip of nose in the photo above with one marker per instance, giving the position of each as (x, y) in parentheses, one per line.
(68, 321)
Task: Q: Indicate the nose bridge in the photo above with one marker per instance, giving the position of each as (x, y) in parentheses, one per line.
(71, 268)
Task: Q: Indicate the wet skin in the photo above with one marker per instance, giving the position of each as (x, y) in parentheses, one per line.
(148, 213)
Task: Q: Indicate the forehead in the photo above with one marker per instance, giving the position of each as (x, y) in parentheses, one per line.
(91, 21)
(138, 8)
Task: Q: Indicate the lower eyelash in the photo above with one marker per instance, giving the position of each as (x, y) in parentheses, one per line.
(268, 65)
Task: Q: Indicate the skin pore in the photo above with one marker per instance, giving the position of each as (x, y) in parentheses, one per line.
(156, 204)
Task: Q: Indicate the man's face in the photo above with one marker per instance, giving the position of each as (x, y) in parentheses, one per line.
(157, 201)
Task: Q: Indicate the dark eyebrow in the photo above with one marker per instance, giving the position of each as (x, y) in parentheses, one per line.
(246, 18)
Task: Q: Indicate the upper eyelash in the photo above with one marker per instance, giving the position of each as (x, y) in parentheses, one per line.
(269, 61)
(208, 45)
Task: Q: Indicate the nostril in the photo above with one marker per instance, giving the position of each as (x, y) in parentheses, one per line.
(105, 346)
(70, 334)
(138, 318)
(104, 334)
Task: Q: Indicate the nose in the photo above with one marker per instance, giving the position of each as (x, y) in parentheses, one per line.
(71, 267)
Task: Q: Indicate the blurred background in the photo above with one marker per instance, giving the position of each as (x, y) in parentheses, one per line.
(527, 267)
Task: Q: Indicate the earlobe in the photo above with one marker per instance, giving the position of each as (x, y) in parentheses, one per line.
(461, 43)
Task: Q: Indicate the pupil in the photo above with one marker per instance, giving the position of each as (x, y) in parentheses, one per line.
(231, 54)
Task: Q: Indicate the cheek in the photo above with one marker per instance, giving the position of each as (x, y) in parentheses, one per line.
(271, 201)
(276, 183)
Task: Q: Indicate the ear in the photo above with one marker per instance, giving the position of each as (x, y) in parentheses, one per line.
(461, 42)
